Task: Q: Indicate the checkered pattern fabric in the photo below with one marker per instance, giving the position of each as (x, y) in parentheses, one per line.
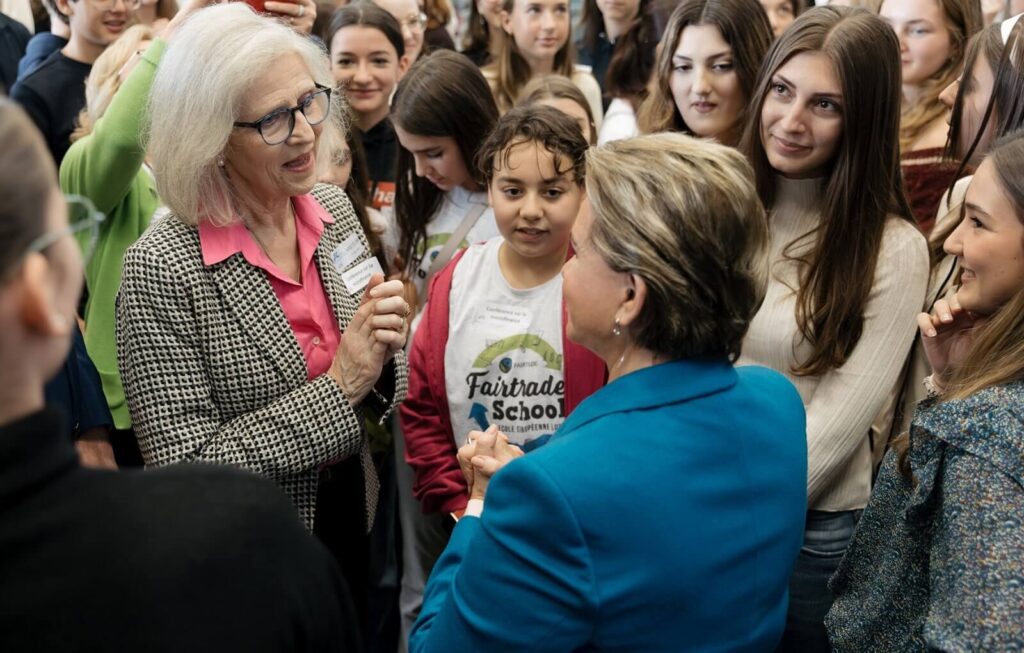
(212, 372)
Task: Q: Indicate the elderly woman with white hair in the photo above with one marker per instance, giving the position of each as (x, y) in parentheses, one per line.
(253, 325)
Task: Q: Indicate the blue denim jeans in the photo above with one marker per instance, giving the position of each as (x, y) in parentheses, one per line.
(826, 536)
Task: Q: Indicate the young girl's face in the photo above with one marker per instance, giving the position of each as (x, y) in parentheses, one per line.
(534, 205)
(574, 111)
(704, 83)
(540, 28)
(977, 86)
(619, 10)
(988, 244)
(438, 159)
(925, 42)
(368, 67)
(780, 14)
(802, 116)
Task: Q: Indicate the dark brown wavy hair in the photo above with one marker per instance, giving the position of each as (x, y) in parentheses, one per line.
(864, 185)
(743, 25)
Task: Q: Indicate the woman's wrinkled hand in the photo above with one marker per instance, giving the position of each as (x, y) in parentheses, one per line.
(947, 333)
(378, 330)
(300, 14)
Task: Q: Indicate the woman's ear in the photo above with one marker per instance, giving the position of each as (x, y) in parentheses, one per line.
(403, 66)
(634, 297)
(35, 302)
(506, 22)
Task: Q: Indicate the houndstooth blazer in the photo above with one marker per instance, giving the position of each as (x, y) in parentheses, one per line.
(213, 373)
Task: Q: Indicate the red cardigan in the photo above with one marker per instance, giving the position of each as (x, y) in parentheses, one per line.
(426, 424)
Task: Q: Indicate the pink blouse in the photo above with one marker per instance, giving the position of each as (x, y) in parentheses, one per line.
(304, 302)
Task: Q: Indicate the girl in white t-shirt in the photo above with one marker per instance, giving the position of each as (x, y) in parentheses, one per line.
(442, 111)
(491, 346)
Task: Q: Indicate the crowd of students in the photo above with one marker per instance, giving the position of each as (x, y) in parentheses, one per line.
(741, 283)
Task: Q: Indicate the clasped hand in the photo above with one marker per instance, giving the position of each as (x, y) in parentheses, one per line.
(377, 331)
(484, 453)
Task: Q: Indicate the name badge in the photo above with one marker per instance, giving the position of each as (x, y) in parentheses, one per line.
(357, 278)
(347, 252)
(502, 318)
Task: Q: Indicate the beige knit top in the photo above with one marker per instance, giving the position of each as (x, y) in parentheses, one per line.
(842, 403)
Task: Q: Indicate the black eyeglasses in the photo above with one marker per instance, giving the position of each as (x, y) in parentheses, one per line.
(277, 126)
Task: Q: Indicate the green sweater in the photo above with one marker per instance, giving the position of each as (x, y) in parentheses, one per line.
(106, 167)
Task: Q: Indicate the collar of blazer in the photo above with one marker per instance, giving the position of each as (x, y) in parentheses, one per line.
(251, 300)
(658, 385)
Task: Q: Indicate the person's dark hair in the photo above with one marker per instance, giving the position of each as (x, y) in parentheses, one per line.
(683, 215)
(478, 36)
(322, 24)
(744, 26)
(1005, 106)
(632, 62)
(443, 94)
(555, 131)
(864, 185)
(367, 14)
(27, 181)
(52, 8)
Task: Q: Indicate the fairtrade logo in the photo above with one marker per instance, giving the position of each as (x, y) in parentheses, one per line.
(552, 359)
(505, 364)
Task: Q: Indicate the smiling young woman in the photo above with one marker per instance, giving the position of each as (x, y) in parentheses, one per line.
(935, 563)
(828, 113)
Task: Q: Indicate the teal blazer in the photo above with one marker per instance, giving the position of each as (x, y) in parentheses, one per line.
(665, 515)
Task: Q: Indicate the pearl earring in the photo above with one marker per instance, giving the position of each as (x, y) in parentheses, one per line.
(616, 330)
(220, 162)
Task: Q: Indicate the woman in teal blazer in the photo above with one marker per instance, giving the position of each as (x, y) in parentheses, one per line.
(667, 512)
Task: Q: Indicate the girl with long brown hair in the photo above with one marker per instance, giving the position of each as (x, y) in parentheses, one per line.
(936, 561)
(848, 267)
(537, 40)
(622, 29)
(706, 68)
(932, 36)
(483, 32)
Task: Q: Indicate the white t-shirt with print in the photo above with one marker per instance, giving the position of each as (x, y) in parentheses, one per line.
(504, 359)
(455, 205)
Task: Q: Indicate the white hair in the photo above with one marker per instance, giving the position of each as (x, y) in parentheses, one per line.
(214, 59)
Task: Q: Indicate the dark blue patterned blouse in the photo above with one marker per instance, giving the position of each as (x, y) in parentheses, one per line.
(940, 564)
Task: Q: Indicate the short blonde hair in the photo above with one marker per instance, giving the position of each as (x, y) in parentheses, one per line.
(683, 214)
(215, 58)
(104, 78)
